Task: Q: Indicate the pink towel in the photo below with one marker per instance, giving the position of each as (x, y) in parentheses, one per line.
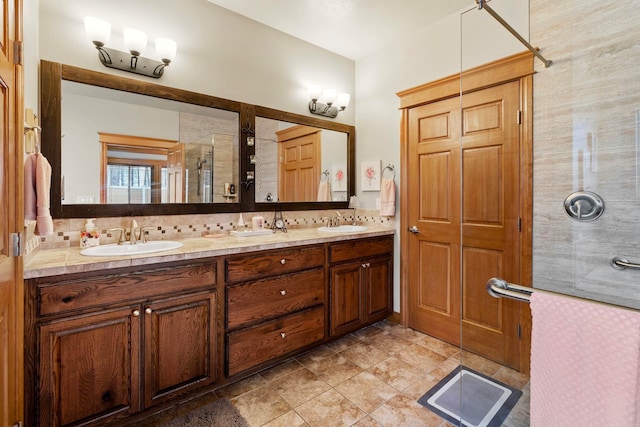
(387, 197)
(324, 192)
(37, 186)
(585, 363)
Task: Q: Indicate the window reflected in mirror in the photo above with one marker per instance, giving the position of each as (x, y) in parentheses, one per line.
(125, 148)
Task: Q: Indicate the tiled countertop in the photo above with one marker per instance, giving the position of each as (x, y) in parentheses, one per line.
(54, 262)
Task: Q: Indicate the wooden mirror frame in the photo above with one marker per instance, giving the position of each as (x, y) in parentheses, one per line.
(51, 76)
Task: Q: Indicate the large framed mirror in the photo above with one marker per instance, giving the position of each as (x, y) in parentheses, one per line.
(123, 147)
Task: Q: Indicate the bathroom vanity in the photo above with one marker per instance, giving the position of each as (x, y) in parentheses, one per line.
(108, 339)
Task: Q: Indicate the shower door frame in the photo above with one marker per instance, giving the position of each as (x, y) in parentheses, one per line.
(518, 67)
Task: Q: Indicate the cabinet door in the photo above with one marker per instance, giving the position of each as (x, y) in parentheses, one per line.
(379, 292)
(347, 308)
(89, 367)
(179, 346)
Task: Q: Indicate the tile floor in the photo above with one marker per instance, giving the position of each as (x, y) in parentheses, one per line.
(372, 377)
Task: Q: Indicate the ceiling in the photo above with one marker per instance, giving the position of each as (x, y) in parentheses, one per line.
(351, 28)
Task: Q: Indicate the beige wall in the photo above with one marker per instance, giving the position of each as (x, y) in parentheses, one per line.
(220, 53)
(586, 124)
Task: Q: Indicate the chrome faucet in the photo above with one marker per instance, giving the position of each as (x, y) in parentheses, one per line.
(133, 239)
(121, 238)
(334, 220)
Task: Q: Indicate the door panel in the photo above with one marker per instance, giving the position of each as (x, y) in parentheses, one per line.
(491, 206)
(180, 346)
(434, 209)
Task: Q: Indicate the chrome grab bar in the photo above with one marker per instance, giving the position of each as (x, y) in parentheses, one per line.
(620, 263)
(501, 288)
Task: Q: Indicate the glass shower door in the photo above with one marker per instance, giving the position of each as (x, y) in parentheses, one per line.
(577, 185)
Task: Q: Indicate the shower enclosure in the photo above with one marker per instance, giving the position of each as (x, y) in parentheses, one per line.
(582, 168)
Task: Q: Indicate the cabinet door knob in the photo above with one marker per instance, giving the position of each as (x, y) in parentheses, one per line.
(282, 261)
(363, 265)
(368, 265)
(136, 313)
(282, 334)
(148, 310)
(283, 292)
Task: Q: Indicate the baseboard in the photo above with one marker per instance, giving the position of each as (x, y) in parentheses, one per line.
(395, 317)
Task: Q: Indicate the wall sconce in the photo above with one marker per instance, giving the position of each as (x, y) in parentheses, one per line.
(135, 41)
(329, 97)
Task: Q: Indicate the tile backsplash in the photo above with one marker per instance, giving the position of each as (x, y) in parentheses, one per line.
(67, 231)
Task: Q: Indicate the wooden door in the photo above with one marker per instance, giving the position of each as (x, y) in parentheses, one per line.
(299, 164)
(179, 346)
(464, 202)
(11, 216)
(90, 368)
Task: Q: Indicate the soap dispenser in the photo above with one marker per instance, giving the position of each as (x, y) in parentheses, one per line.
(90, 236)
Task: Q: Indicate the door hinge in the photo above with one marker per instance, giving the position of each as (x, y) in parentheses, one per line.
(519, 117)
(519, 331)
(519, 225)
(17, 53)
(16, 244)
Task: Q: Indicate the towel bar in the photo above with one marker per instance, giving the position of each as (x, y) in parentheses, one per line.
(620, 263)
(501, 288)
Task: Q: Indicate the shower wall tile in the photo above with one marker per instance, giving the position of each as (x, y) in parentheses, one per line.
(586, 110)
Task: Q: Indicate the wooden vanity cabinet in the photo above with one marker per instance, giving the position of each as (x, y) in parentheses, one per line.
(361, 277)
(109, 346)
(275, 305)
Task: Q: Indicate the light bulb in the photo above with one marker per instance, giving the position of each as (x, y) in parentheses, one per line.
(314, 92)
(329, 96)
(166, 49)
(343, 100)
(98, 30)
(135, 41)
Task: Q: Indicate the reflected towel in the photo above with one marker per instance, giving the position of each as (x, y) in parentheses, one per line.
(585, 363)
(37, 187)
(324, 191)
(30, 198)
(387, 197)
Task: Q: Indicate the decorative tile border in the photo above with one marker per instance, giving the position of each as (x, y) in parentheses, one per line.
(67, 231)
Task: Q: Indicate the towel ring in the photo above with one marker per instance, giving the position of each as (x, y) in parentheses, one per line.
(324, 176)
(389, 167)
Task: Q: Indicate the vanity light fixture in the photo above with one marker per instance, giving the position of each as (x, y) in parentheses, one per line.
(327, 108)
(135, 41)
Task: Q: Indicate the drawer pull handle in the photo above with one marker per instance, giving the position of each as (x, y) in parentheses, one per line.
(282, 261)
(136, 313)
(148, 310)
(282, 334)
(283, 292)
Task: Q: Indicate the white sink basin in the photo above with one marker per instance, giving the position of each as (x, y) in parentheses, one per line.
(129, 249)
(343, 229)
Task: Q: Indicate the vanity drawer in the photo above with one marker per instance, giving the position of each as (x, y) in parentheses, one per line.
(252, 346)
(359, 249)
(270, 264)
(101, 290)
(256, 301)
